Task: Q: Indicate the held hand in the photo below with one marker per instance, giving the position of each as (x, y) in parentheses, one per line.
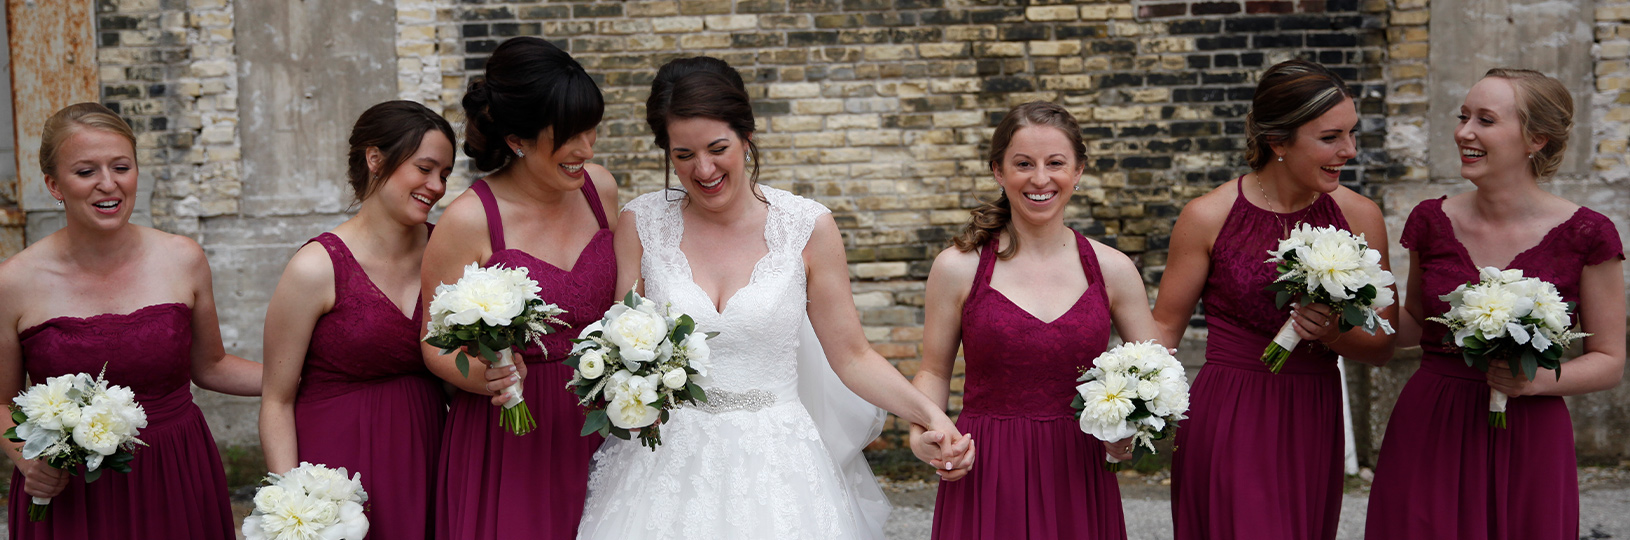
(42, 480)
(950, 455)
(1120, 450)
(1316, 322)
(1500, 378)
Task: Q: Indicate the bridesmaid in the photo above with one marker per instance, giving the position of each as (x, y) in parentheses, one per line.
(1030, 302)
(542, 207)
(105, 293)
(345, 383)
(1260, 455)
(1444, 473)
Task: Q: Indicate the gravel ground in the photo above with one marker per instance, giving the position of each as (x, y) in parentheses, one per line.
(1604, 507)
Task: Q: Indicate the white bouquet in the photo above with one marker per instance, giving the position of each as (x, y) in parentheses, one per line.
(73, 420)
(311, 502)
(1134, 390)
(490, 311)
(635, 365)
(1506, 316)
(1330, 266)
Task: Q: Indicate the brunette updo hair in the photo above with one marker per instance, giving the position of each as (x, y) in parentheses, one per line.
(990, 219)
(75, 117)
(701, 87)
(1290, 94)
(530, 85)
(1544, 109)
(396, 128)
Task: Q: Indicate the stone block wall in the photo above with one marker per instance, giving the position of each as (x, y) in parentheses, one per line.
(880, 109)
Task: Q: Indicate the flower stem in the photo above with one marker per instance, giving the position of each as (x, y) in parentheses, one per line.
(1275, 357)
(1497, 419)
(517, 419)
(38, 512)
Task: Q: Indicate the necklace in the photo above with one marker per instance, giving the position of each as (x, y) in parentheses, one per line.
(1283, 230)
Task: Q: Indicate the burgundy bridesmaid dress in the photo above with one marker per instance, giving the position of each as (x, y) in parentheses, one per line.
(176, 487)
(367, 403)
(498, 485)
(1260, 454)
(1444, 473)
(1038, 476)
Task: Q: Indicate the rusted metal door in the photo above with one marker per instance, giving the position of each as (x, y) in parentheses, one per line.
(53, 64)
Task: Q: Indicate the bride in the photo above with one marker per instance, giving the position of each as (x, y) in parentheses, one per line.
(740, 258)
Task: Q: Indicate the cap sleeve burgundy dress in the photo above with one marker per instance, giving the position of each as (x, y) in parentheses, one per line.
(1443, 472)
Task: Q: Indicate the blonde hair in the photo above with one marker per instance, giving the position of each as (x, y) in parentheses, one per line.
(1544, 109)
(65, 122)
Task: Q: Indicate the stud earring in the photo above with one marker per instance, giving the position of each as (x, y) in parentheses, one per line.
(519, 153)
(1281, 158)
(1530, 156)
(59, 203)
(1077, 188)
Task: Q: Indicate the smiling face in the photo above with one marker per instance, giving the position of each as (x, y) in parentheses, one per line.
(415, 186)
(1321, 147)
(560, 168)
(710, 160)
(1037, 173)
(94, 175)
(1490, 137)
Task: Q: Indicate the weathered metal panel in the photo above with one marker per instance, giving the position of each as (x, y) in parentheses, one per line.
(53, 64)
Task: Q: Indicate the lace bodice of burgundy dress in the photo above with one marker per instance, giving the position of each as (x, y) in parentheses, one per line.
(152, 345)
(1587, 238)
(364, 337)
(583, 290)
(1239, 309)
(1019, 365)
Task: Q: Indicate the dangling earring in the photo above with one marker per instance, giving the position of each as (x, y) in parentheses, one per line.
(1530, 156)
(519, 153)
(59, 203)
(1281, 158)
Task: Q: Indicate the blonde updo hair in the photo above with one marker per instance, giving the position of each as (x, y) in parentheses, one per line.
(74, 117)
(1544, 109)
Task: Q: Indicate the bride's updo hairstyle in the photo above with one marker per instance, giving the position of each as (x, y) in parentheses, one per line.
(990, 219)
(1291, 93)
(1544, 109)
(530, 85)
(701, 87)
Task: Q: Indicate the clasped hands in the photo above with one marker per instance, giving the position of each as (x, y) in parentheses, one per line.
(950, 453)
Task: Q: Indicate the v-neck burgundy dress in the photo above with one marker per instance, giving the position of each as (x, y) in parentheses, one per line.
(1038, 476)
(1444, 473)
(367, 403)
(495, 484)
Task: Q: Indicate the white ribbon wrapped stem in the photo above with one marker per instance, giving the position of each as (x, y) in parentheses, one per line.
(506, 359)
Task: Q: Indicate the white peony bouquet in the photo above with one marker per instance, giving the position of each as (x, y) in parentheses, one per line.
(1506, 316)
(73, 420)
(489, 311)
(635, 365)
(1134, 390)
(1330, 266)
(311, 502)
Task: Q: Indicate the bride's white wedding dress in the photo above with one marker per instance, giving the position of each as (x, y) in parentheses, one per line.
(751, 463)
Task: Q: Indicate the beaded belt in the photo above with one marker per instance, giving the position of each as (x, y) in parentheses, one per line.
(722, 401)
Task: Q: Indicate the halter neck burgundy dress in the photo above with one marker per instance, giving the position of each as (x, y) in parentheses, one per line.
(176, 487)
(1038, 476)
(498, 485)
(367, 403)
(1260, 454)
(1444, 473)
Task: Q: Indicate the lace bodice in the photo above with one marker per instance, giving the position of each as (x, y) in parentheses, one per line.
(1587, 238)
(758, 330)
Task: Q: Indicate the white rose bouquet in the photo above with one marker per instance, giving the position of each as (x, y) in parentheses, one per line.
(1330, 266)
(635, 365)
(74, 420)
(1506, 316)
(1134, 390)
(311, 502)
(490, 311)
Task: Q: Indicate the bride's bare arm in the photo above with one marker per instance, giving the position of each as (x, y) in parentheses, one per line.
(837, 324)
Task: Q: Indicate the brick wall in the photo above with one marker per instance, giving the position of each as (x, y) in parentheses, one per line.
(882, 109)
